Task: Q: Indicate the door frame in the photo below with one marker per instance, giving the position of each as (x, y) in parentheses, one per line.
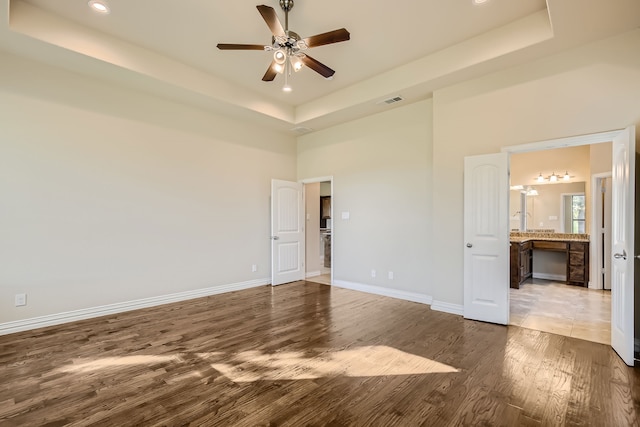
(573, 141)
(333, 221)
(596, 246)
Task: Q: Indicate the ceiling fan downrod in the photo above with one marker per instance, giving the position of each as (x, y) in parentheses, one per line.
(286, 5)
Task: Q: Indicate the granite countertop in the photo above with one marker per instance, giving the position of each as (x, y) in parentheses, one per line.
(525, 236)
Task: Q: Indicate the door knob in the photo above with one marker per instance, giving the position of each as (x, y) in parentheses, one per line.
(469, 245)
(623, 255)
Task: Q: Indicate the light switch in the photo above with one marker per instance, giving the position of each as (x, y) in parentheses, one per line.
(553, 218)
(345, 215)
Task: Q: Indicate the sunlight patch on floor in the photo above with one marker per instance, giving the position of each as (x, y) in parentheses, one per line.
(369, 361)
(83, 365)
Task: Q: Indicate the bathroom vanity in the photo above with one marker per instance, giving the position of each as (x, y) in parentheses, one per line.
(574, 246)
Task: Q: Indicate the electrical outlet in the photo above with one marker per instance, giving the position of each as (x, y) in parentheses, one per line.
(20, 300)
(373, 273)
(391, 275)
(254, 268)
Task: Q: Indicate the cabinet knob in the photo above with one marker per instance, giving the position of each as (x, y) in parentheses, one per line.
(469, 245)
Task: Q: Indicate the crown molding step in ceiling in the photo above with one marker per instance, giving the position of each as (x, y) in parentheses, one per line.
(437, 45)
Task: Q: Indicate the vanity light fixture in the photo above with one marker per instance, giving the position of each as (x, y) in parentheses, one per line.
(99, 6)
(553, 178)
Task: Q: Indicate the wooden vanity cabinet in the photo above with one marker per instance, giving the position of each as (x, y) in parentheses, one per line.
(521, 263)
(578, 264)
(521, 260)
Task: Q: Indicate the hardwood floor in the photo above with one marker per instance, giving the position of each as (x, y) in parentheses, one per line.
(308, 354)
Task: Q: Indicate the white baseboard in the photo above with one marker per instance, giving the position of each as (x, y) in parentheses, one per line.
(447, 307)
(544, 276)
(378, 290)
(312, 274)
(87, 313)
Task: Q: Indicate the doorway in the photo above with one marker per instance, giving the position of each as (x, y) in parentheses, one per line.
(565, 202)
(319, 230)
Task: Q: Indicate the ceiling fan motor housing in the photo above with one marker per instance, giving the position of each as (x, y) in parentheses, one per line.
(286, 5)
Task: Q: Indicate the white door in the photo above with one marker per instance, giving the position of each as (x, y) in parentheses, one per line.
(486, 238)
(622, 243)
(287, 232)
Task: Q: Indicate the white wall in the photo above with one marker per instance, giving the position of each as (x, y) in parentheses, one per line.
(381, 167)
(591, 89)
(600, 158)
(108, 195)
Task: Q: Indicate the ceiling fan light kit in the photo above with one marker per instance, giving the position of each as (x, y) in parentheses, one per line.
(288, 47)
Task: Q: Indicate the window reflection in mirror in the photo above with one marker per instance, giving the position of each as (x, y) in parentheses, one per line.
(574, 213)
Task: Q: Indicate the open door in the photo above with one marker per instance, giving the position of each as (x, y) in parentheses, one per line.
(486, 238)
(622, 243)
(287, 232)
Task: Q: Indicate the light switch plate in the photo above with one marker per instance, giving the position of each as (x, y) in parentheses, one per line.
(345, 215)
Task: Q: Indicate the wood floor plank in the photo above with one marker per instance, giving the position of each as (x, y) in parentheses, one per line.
(307, 354)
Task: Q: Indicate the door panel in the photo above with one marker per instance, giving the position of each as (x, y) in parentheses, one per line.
(486, 238)
(287, 232)
(622, 244)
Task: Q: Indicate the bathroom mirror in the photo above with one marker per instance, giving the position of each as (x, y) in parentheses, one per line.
(558, 208)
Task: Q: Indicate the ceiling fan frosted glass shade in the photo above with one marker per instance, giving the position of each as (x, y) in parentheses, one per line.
(279, 56)
(296, 63)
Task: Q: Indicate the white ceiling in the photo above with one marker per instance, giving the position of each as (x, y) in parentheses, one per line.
(396, 48)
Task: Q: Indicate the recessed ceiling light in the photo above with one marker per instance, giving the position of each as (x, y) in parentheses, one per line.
(99, 6)
(479, 1)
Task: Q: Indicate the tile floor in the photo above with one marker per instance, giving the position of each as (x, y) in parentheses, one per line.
(561, 309)
(324, 279)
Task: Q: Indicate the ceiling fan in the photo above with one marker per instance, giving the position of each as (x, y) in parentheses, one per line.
(288, 47)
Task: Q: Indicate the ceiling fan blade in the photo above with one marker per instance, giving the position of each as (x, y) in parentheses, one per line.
(334, 36)
(270, 17)
(317, 66)
(271, 73)
(231, 46)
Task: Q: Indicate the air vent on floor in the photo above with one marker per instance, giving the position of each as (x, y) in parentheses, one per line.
(391, 100)
(301, 130)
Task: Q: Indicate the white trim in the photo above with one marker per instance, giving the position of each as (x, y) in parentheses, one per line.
(387, 292)
(120, 307)
(571, 141)
(312, 274)
(595, 242)
(318, 179)
(545, 276)
(447, 307)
